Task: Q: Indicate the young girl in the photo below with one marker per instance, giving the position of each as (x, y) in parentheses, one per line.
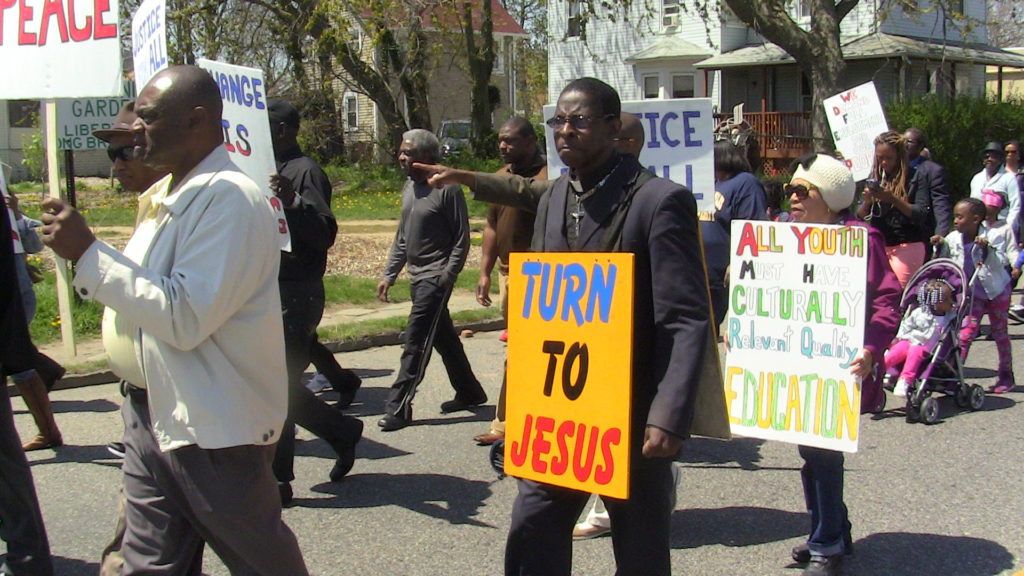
(919, 332)
(991, 287)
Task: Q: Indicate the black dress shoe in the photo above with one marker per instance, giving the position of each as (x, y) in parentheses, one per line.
(458, 404)
(823, 565)
(284, 489)
(391, 422)
(346, 450)
(802, 554)
(346, 388)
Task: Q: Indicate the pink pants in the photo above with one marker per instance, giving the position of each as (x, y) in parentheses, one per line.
(905, 259)
(911, 357)
(996, 309)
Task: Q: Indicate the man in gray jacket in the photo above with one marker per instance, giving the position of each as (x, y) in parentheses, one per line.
(433, 240)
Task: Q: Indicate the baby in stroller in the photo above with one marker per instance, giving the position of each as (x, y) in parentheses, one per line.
(920, 331)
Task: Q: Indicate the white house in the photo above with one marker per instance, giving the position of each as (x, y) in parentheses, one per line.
(675, 51)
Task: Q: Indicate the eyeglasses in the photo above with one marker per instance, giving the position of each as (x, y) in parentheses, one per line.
(126, 153)
(577, 121)
(800, 190)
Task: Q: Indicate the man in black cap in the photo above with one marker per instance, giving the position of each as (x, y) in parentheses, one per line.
(305, 192)
(995, 177)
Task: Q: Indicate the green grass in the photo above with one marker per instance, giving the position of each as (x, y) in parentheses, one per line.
(46, 325)
(101, 206)
(377, 327)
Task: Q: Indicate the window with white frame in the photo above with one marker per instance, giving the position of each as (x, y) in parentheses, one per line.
(351, 110)
(652, 87)
(803, 9)
(683, 86)
(499, 55)
(575, 20)
(671, 12)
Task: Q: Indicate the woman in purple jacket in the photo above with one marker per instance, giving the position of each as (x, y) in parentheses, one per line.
(821, 192)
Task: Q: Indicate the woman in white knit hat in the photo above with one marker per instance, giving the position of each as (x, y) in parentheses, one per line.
(821, 192)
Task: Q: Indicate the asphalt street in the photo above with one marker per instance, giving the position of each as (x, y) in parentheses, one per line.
(945, 499)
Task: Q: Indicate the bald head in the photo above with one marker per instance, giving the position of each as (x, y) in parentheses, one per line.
(179, 114)
(631, 136)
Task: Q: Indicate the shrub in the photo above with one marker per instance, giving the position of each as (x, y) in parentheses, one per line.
(957, 129)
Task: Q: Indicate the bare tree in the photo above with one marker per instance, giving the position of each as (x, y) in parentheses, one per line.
(1006, 23)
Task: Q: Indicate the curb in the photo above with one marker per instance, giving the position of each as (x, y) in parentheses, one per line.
(390, 339)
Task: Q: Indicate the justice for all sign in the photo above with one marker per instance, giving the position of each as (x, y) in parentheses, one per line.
(247, 129)
(679, 144)
(796, 323)
(855, 118)
(59, 49)
(569, 370)
(149, 40)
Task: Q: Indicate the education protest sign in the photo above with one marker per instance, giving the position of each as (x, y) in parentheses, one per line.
(247, 129)
(149, 40)
(796, 323)
(679, 143)
(855, 118)
(59, 49)
(567, 417)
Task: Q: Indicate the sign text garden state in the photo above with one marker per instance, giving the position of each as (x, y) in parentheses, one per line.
(796, 323)
(569, 370)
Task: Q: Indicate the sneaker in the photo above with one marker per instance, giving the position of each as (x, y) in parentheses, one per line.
(823, 565)
(318, 383)
(1016, 313)
(1003, 388)
(587, 531)
(116, 448)
(503, 337)
(900, 389)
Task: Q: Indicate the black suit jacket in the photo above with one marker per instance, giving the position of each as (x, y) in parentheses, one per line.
(671, 310)
(931, 177)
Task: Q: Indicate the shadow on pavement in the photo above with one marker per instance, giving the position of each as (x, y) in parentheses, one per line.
(74, 567)
(735, 526)
(97, 405)
(900, 553)
(449, 498)
(743, 451)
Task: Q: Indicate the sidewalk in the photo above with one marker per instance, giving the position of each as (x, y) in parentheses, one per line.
(91, 351)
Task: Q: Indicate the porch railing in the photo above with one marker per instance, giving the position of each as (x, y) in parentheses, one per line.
(781, 135)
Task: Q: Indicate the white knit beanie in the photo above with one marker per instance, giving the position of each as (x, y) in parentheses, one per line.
(833, 180)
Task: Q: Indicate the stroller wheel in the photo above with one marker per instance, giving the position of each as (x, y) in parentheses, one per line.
(913, 410)
(963, 395)
(977, 397)
(930, 410)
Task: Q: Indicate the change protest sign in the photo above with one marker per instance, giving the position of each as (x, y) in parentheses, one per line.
(679, 143)
(855, 118)
(59, 49)
(796, 323)
(149, 40)
(569, 370)
(247, 129)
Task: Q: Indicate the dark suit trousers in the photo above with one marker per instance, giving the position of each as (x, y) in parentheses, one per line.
(430, 326)
(540, 538)
(21, 523)
(302, 306)
(181, 498)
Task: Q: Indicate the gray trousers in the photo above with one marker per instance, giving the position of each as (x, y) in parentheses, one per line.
(178, 500)
(21, 524)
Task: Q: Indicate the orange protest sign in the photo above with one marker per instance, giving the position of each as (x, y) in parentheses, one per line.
(570, 352)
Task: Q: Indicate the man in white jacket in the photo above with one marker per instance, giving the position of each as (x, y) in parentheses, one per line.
(194, 327)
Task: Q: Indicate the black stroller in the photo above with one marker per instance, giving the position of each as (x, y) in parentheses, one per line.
(944, 372)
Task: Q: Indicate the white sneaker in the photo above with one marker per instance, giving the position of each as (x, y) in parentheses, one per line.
(901, 388)
(1016, 313)
(318, 383)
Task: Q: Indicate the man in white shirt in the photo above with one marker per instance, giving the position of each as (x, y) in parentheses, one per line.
(196, 332)
(995, 177)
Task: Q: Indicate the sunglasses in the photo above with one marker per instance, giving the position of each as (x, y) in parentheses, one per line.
(126, 153)
(992, 154)
(577, 121)
(800, 190)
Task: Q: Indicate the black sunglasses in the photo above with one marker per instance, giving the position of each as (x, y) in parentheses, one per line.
(800, 190)
(577, 121)
(126, 153)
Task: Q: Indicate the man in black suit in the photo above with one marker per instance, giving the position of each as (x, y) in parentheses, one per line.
(21, 523)
(656, 220)
(931, 176)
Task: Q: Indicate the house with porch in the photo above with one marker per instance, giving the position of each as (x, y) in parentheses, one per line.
(673, 52)
(449, 82)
